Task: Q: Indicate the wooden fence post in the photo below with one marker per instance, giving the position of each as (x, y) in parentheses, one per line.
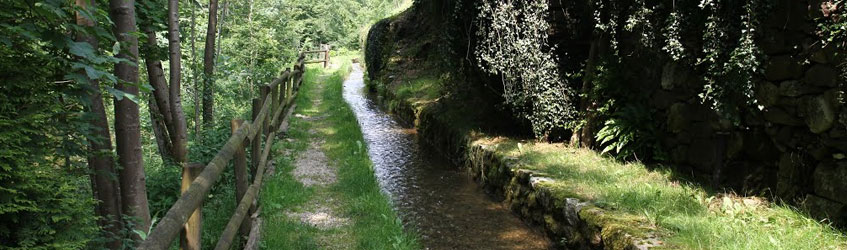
(255, 144)
(239, 162)
(190, 235)
(326, 55)
(265, 92)
(274, 104)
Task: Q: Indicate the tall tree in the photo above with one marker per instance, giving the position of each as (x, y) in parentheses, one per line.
(179, 136)
(127, 129)
(193, 64)
(160, 107)
(100, 160)
(209, 65)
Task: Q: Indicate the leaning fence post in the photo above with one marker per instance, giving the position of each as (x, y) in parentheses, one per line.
(239, 162)
(190, 234)
(256, 143)
(265, 91)
(274, 105)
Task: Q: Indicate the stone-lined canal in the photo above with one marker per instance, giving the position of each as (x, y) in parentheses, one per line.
(432, 196)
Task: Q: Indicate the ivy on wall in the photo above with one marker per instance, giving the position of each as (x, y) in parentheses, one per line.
(513, 38)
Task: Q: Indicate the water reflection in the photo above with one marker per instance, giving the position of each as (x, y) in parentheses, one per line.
(441, 201)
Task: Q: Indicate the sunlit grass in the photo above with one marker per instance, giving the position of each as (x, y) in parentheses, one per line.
(374, 223)
(685, 215)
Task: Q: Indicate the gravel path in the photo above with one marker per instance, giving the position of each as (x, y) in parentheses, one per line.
(313, 169)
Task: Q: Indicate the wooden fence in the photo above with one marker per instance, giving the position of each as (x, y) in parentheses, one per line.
(184, 216)
(323, 53)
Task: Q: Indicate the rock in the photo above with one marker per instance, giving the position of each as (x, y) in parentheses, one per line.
(734, 144)
(821, 75)
(822, 55)
(767, 94)
(790, 176)
(782, 68)
(837, 133)
(672, 75)
(662, 99)
(678, 154)
(829, 182)
(701, 112)
(701, 130)
(677, 117)
(702, 154)
(796, 88)
(819, 114)
(823, 208)
(571, 211)
(779, 116)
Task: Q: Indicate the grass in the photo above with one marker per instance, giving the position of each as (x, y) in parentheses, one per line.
(687, 215)
(374, 224)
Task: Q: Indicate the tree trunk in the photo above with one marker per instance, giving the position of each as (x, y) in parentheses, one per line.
(100, 160)
(252, 48)
(194, 75)
(209, 65)
(162, 109)
(160, 131)
(584, 137)
(127, 130)
(179, 134)
(221, 28)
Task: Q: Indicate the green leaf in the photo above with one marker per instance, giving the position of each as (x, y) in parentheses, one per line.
(81, 49)
(120, 95)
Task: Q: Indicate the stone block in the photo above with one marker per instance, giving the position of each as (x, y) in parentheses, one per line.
(819, 113)
(702, 154)
(673, 74)
(824, 208)
(678, 117)
(782, 68)
(767, 94)
(821, 75)
(779, 116)
(662, 99)
(796, 88)
(829, 181)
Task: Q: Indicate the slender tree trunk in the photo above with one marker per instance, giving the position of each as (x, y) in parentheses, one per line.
(252, 48)
(584, 137)
(209, 65)
(194, 75)
(160, 131)
(127, 130)
(100, 160)
(221, 29)
(179, 136)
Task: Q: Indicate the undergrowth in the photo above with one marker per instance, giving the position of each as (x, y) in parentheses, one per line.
(374, 225)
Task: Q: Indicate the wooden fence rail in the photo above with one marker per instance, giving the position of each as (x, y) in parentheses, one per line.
(323, 50)
(268, 112)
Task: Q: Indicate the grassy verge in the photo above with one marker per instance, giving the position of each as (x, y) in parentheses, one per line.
(685, 215)
(374, 225)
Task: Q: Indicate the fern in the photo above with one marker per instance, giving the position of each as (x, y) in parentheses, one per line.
(631, 134)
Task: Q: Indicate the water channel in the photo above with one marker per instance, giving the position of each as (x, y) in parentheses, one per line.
(439, 200)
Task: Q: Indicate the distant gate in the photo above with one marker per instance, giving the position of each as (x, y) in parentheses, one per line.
(323, 53)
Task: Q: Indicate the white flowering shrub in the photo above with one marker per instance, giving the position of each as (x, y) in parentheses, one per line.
(513, 43)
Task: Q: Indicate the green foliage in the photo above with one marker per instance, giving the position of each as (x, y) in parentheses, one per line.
(631, 134)
(45, 200)
(832, 25)
(514, 44)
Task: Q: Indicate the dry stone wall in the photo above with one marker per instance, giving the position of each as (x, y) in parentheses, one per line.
(793, 147)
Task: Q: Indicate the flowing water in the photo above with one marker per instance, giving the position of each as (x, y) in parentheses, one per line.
(439, 200)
